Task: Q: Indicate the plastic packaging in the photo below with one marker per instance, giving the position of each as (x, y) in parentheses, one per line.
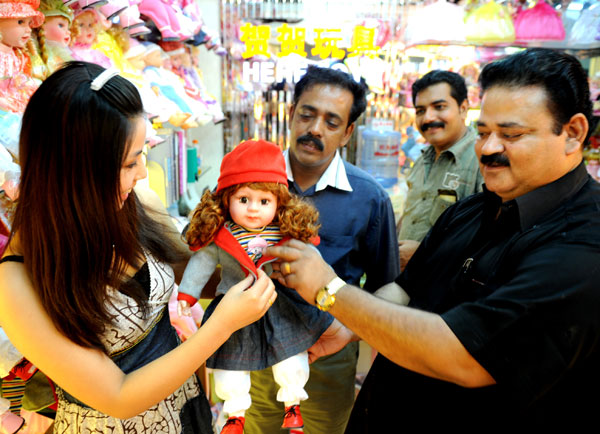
(10, 129)
(439, 21)
(540, 22)
(378, 155)
(10, 173)
(587, 27)
(489, 22)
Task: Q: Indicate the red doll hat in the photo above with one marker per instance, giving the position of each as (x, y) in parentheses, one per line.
(253, 161)
(22, 9)
(172, 48)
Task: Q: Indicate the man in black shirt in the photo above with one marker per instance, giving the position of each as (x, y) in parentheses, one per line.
(503, 324)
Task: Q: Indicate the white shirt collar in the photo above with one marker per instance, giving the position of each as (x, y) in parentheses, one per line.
(334, 176)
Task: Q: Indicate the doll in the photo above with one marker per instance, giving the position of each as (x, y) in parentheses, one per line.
(182, 65)
(170, 20)
(155, 103)
(54, 36)
(194, 73)
(172, 86)
(9, 422)
(113, 42)
(10, 172)
(228, 229)
(17, 19)
(470, 72)
(15, 373)
(87, 24)
(9, 357)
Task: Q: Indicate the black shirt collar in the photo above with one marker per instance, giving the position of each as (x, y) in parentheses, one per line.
(539, 202)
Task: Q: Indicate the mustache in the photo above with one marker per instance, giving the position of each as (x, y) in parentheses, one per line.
(428, 125)
(495, 160)
(309, 138)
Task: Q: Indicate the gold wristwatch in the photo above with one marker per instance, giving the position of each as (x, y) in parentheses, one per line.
(326, 295)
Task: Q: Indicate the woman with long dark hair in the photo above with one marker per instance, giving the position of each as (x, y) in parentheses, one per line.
(86, 278)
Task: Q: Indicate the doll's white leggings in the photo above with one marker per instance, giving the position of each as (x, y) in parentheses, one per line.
(234, 386)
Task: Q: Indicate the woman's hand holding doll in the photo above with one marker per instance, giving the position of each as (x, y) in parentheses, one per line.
(243, 305)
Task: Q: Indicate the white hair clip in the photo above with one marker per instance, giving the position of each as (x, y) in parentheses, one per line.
(103, 78)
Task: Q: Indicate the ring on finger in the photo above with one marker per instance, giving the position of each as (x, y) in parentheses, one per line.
(286, 268)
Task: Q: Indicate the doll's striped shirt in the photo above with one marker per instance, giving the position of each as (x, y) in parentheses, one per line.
(270, 234)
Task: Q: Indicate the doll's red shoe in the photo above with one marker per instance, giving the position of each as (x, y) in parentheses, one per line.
(234, 425)
(292, 417)
(10, 423)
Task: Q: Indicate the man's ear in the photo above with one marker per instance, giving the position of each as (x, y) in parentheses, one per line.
(576, 129)
(292, 110)
(347, 135)
(463, 108)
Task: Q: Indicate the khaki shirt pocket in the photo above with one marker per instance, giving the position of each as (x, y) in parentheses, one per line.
(443, 201)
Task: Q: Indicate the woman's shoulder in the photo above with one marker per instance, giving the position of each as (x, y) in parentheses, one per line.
(12, 253)
(14, 279)
(12, 258)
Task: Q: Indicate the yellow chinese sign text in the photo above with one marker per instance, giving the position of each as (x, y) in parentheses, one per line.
(292, 40)
(363, 43)
(326, 46)
(256, 39)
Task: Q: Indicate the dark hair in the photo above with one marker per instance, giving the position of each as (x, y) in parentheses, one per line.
(458, 88)
(75, 235)
(316, 75)
(560, 75)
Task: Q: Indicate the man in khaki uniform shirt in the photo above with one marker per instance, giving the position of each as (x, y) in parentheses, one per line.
(448, 170)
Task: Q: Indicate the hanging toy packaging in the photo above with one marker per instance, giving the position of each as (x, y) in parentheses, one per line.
(586, 29)
(490, 22)
(540, 22)
(10, 128)
(10, 173)
(439, 21)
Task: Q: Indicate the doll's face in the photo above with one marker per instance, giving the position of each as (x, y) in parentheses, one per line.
(252, 209)
(195, 56)
(15, 32)
(176, 60)
(154, 58)
(57, 29)
(86, 23)
(137, 62)
(186, 60)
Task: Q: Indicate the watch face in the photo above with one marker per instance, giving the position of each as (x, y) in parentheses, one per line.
(322, 296)
(323, 299)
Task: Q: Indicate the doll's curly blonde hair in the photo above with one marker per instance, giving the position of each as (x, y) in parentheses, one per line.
(296, 218)
(120, 36)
